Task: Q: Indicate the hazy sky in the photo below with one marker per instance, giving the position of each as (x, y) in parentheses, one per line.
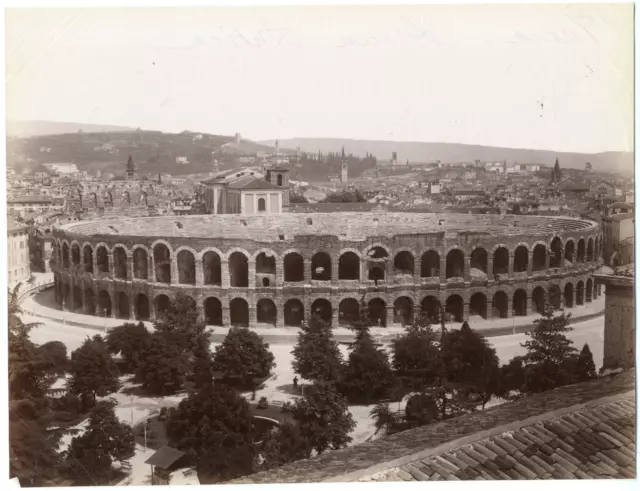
(553, 77)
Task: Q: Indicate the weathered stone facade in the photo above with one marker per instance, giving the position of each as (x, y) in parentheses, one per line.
(245, 270)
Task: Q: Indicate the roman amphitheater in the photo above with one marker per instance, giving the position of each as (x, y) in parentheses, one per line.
(278, 270)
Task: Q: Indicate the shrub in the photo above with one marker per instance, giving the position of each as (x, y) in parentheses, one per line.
(263, 403)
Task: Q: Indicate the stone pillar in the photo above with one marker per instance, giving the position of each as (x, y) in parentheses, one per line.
(389, 315)
(530, 263)
(511, 260)
(151, 269)
(490, 266)
(132, 307)
(335, 319)
(129, 270)
(443, 269)
(467, 267)
(199, 303)
(253, 316)
(280, 315)
(465, 310)
(110, 260)
(225, 275)
(417, 270)
(509, 305)
(252, 274)
(619, 322)
(83, 293)
(334, 269)
(226, 316)
(279, 272)
(175, 276)
(199, 273)
(547, 261)
(306, 274)
(529, 304)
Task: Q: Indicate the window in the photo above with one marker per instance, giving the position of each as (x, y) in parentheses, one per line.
(279, 179)
(262, 204)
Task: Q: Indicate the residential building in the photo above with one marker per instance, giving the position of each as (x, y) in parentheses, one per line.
(18, 252)
(616, 230)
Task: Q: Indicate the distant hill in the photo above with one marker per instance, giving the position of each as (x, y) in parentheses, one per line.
(620, 162)
(37, 128)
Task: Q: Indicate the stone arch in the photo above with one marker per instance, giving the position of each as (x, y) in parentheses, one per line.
(404, 263)
(122, 305)
(538, 299)
(186, 262)
(478, 259)
(239, 312)
(104, 303)
(376, 257)
(87, 253)
(293, 265)
(321, 266)
(581, 251)
(590, 250)
(65, 255)
(141, 305)
(589, 291)
(500, 305)
(501, 260)
(554, 294)
(162, 262)
(77, 298)
(89, 301)
(348, 311)
(403, 310)
(75, 253)
(212, 268)
(140, 263)
(102, 258)
(266, 311)
(293, 312)
(569, 251)
(539, 258)
(521, 259)
(430, 264)
(162, 303)
(555, 253)
(377, 312)
(265, 268)
(520, 303)
(119, 262)
(455, 307)
(239, 270)
(213, 311)
(323, 308)
(349, 266)
(430, 307)
(568, 295)
(455, 263)
(478, 305)
(580, 293)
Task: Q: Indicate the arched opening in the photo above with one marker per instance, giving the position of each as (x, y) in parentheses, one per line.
(89, 302)
(377, 263)
(580, 293)
(267, 311)
(555, 259)
(238, 270)
(478, 305)
(77, 298)
(239, 312)
(88, 259)
(569, 251)
(162, 261)
(377, 312)
(104, 304)
(65, 256)
(348, 311)
(293, 267)
(590, 250)
(213, 311)
(454, 307)
(322, 307)
(212, 268)
(262, 204)
(520, 303)
(279, 179)
(120, 263)
(568, 295)
(321, 267)
(140, 264)
(266, 269)
(501, 261)
(102, 258)
(589, 291)
(539, 257)
(478, 259)
(162, 304)
(555, 297)
(538, 299)
(349, 266)
(430, 265)
(293, 313)
(500, 305)
(403, 311)
(142, 307)
(186, 268)
(403, 263)
(122, 306)
(455, 264)
(520, 259)
(430, 307)
(580, 257)
(75, 254)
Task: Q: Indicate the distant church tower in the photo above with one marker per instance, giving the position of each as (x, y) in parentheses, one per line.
(215, 167)
(344, 170)
(280, 177)
(131, 169)
(277, 147)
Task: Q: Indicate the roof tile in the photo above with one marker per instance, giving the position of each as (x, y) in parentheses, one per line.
(506, 446)
(417, 474)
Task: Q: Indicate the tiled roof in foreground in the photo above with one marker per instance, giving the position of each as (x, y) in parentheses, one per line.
(551, 423)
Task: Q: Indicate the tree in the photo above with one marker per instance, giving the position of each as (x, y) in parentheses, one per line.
(93, 371)
(345, 197)
(298, 198)
(316, 356)
(421, 409)
(214, 427)
(180, 323)
(163, 367)
(582, 366)
(55, 353)
(557, 174)
(106, 440)
(130, 341)
(587, 166)
(323, 417)
(367, 375)
(284, 445)
(244, 356)
(383, 417)
(547, 353)
(512, 378)
(202, 371)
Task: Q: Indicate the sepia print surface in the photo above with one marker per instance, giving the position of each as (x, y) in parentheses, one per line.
(320, 244)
